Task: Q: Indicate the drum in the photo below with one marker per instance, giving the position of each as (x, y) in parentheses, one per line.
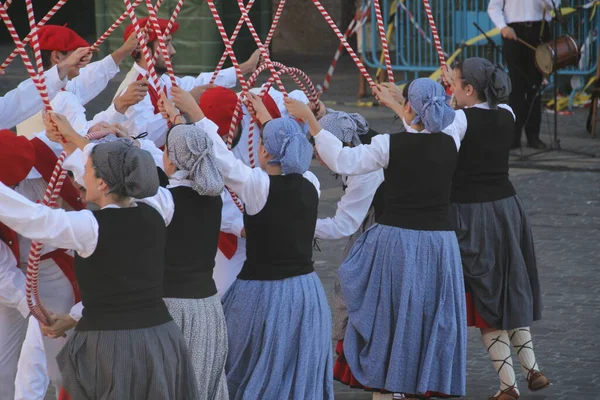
(565, 49)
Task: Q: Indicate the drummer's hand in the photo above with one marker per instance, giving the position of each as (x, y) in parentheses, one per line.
(508, 33)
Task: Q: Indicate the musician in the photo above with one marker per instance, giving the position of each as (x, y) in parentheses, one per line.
(528, 21)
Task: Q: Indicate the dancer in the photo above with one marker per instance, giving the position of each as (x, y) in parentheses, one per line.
(496, 242)
(126, 329)
(402, 281)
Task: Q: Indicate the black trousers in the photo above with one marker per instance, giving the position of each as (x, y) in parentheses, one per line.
(525, 98)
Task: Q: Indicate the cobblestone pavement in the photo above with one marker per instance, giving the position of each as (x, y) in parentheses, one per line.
(561, 192)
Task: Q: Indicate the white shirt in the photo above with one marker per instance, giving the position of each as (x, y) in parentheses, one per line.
(371, 157)
(91, 81)
(352, 207)
(12, 282)
(232, 218)
(141, 117)
(486, 106)
(21, 103)
(520, 11)
(250, 184)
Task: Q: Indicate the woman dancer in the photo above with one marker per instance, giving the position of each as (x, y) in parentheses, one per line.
(496, 242)
(402, 280)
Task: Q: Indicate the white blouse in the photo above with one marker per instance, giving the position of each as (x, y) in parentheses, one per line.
(371, 157)
(352, 207)
(250, 184)
(76, 230)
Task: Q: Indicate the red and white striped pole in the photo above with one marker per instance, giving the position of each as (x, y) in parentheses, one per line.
(234, 36)
(341, 37)
(161, 42)
(437, 42)
(274, 23)
(384, 43)
(25, 41)
(142, 40)
(352, 29)
(114, 26)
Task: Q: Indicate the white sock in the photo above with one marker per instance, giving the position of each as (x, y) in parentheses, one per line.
(521, 341)
(497, 345)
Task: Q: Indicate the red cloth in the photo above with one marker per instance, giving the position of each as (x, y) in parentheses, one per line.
(66, 263)
(151, 34)
(473, 317)
(343, 374)
(17, 157)
(45, 161)
(218, 104)
(63, 394)
(228, 243)
(59, 38)
(154, 94)
(9, 237)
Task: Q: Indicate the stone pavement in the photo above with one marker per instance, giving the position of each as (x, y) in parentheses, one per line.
(561, 192)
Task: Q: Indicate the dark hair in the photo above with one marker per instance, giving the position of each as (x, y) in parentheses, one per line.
(137, 56)
(464, 82)
(47, 58)
(405, 90)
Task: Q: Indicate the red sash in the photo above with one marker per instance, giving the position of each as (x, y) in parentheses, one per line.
(154, 94)
(228, 244)
(45, 160)
(67, 265)
(9, 237)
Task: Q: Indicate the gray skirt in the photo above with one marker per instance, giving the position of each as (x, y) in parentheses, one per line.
(499, 265)
(202, 323)
(149, 363)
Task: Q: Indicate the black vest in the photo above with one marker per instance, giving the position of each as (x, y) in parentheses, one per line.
(482, 171)
(279, 238)
(122, 281)
(418, 180)
(192, 238)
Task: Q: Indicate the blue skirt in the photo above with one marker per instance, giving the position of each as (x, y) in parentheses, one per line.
(279, 339)
(407, 329)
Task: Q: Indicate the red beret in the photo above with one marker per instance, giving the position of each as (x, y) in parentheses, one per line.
(218, 104)
(59, 38)
(17, 156)
(151, 34)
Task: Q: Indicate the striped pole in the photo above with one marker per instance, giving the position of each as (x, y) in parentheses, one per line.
(437, 42)
(234, 36)
(341, 37)
(142, 40)
(27, 39)
(384, 43)
(352, 29)
(274, 23)
(161, 42)
(114, 26)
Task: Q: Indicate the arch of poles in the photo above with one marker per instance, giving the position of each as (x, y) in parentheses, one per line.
(276, 70)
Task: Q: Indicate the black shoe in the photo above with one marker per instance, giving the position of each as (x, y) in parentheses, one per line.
(537, 144)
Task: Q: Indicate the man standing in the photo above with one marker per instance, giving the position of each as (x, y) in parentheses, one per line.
(529, 21)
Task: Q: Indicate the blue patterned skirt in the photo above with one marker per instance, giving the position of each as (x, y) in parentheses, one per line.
(279, 339)
(407, 328)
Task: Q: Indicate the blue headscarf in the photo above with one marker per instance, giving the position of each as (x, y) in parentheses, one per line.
(429, 100)
(285, 140)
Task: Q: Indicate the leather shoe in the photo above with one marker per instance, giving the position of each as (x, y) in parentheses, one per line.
(537, 381)
(537, 144)
(507, 394)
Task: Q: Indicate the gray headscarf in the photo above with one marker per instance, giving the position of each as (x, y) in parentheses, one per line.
(285, 140)
(127, 170)
(191, 150)
(488, 79)
(346, 127)
(429, 100)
